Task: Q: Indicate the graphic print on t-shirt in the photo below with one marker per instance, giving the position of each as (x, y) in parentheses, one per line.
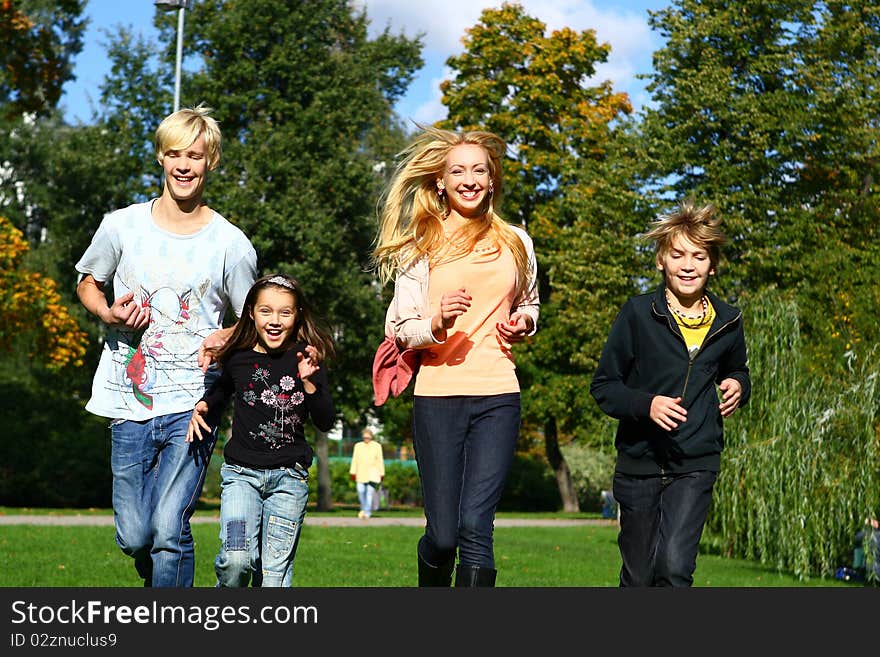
(169, 334)
(281, 399)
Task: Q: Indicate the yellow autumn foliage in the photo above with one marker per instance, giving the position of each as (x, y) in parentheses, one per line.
(30, 305)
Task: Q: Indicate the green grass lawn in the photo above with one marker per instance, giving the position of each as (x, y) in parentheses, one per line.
(362, 556)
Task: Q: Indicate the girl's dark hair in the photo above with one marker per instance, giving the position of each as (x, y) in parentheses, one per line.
(308, 326)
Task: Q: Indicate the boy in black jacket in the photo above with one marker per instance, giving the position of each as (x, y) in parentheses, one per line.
(666, 353)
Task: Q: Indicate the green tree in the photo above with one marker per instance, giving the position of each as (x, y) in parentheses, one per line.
(769, 110)
(305, 100)
(569, 184)
(40, 39)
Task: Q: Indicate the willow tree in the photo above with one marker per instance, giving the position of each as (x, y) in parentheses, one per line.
(569, 185)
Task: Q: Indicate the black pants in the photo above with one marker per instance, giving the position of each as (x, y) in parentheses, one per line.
(661, 521)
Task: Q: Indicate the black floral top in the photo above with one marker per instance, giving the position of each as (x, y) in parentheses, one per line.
(271, 408)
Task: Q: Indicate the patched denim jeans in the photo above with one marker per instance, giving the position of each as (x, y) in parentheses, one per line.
(661, 521)
(464, 447)
(261, 515)
(157, 480)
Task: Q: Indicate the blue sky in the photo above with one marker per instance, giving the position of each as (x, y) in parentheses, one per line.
(621, 23)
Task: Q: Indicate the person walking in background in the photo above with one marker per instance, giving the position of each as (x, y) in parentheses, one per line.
(667, 357)
(367, 471)
(465, 290)
(271, 366)
(175, 266)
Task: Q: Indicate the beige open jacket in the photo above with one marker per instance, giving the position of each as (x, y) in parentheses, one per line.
(408, 318)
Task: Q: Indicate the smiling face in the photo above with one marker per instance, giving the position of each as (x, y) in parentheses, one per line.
(185, 171)
(466, 180)
(686, 267)
(274, 315)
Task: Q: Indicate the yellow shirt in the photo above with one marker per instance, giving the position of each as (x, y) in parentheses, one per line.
(695, 332)
(367, 463)
(473, 360)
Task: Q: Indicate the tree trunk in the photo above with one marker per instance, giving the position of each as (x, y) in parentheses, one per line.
(560, 468)
(322, 452)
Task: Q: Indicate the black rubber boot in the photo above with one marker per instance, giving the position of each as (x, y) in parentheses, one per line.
(474, 576)
(435, 575)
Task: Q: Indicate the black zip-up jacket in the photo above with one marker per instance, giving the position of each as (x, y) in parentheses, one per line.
(645, 355)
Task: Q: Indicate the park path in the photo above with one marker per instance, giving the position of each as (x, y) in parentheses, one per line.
(319, 521)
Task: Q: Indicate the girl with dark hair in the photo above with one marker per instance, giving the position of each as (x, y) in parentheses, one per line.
(271, 365)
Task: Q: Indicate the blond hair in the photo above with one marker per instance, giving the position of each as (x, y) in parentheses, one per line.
(411, 214)
(701, 225)
(179, 130)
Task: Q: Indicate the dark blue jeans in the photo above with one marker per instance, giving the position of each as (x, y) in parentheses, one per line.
(464, 447)
(661, 521)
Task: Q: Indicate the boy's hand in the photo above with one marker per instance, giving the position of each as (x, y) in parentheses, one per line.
(667, 412)
(197, 423)
(211, 345)
(731, 393)
(128, 313)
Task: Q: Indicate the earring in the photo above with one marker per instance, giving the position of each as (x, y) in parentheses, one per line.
(441, 190)
(491, 188)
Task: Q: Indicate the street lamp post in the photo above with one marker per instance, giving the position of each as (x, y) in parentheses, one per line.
(180, 5)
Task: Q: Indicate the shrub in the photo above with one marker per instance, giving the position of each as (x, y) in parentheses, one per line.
(592, 471)
(531, 486)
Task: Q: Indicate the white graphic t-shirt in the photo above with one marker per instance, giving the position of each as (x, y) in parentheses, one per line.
(187, 281)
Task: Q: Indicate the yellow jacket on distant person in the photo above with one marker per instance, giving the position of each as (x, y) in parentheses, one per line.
(367, 462)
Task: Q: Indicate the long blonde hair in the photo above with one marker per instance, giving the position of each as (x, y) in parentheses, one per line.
(411, 213)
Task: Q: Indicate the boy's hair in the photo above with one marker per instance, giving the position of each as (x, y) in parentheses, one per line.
(308, 327)
(701, 225)
(179, 130)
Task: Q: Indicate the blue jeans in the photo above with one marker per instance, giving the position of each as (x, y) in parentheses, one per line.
(261, 515)
(661, 521)
(157, 480)
(464, 448)
(365, 497)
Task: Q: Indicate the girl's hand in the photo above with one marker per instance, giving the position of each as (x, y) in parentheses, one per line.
(731, 394)
(197, 423)
(667, 412)
(516, 329)
(308, 364)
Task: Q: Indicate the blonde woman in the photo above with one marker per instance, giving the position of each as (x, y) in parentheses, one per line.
(465, 291)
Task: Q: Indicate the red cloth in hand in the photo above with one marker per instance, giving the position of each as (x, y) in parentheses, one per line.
(393, 369)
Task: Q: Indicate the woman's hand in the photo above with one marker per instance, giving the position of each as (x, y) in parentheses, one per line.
(452, 306)
(516, 329)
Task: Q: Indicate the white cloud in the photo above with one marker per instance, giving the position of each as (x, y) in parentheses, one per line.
(626, 30)
(442, 28)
